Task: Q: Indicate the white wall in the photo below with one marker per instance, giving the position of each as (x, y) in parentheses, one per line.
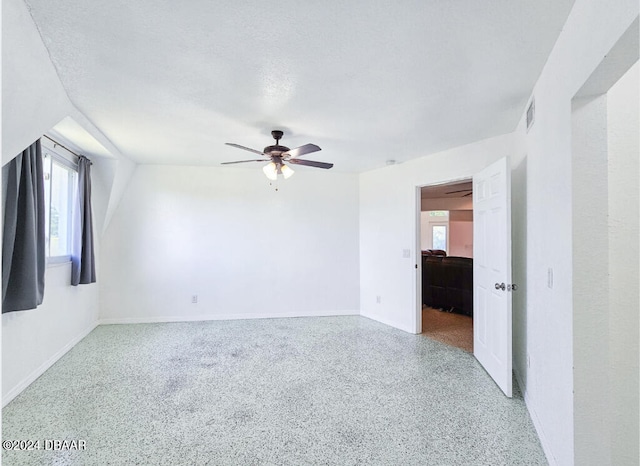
(590, 281)
(461, 233)
(226, 235)
(624, 240)
(33, 340)
(389, 205)
(112, 177)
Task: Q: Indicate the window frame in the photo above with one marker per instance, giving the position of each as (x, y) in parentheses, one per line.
(67, 161)
(433, 225)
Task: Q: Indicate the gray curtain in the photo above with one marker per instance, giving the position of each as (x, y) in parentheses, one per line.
(83, 268)
(23, 240)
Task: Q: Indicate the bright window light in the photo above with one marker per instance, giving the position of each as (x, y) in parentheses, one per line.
(60, 185)
(440, 237)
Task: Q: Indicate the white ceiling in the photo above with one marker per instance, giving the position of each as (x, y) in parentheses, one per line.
(170, 82)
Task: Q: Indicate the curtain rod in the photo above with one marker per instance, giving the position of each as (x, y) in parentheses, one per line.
(61, 145)
(65, 147)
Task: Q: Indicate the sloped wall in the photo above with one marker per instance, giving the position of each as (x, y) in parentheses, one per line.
(33, 102)
(33, 99)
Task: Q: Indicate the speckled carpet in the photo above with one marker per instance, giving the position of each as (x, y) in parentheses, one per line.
(328, 390)
(449, 328)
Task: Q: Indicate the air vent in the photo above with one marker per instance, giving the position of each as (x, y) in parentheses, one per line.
(531, 114)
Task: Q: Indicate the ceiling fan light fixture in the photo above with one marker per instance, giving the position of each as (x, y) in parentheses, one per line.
(286, 171)
(271, 171)
(280, 154)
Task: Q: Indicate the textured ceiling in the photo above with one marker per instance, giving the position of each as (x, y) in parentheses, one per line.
(368, 81)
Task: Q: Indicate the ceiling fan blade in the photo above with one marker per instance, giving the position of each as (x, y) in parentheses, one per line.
(458, 191)
(244, 161)
(310, 163)
(298, 151)
(244, 148)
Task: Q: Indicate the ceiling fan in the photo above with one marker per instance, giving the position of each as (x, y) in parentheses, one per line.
(468, 191)
(277, 155)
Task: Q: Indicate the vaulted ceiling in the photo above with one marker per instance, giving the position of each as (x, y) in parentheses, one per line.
(368, 81)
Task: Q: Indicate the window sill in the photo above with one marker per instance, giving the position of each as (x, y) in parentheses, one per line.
(58, 261)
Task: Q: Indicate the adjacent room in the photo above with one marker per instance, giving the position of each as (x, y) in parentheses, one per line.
(446, 239)
(333, 233)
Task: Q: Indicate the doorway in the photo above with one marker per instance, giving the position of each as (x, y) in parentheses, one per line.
(446, 262)
(490, 277)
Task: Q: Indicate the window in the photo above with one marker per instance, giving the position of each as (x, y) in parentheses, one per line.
(439, 237)
(60, 183)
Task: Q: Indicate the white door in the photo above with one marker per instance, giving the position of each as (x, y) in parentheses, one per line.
(492, 272)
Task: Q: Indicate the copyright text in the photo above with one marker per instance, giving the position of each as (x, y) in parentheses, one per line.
(48, 444)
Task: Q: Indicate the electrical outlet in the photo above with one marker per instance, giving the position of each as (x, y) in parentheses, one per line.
(550, 277)
(194, 299)
(378, 299)
(406, 253)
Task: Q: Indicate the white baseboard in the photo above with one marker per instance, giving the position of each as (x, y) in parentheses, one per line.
(535, 419)
(227, 316)
(388, 322)
(28, 380)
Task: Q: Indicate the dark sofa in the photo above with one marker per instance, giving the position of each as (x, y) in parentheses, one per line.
(447, 283)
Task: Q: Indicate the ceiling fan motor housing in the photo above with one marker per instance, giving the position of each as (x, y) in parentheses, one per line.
(275, 150)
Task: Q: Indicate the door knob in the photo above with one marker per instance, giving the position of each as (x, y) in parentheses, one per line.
(501, 286)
